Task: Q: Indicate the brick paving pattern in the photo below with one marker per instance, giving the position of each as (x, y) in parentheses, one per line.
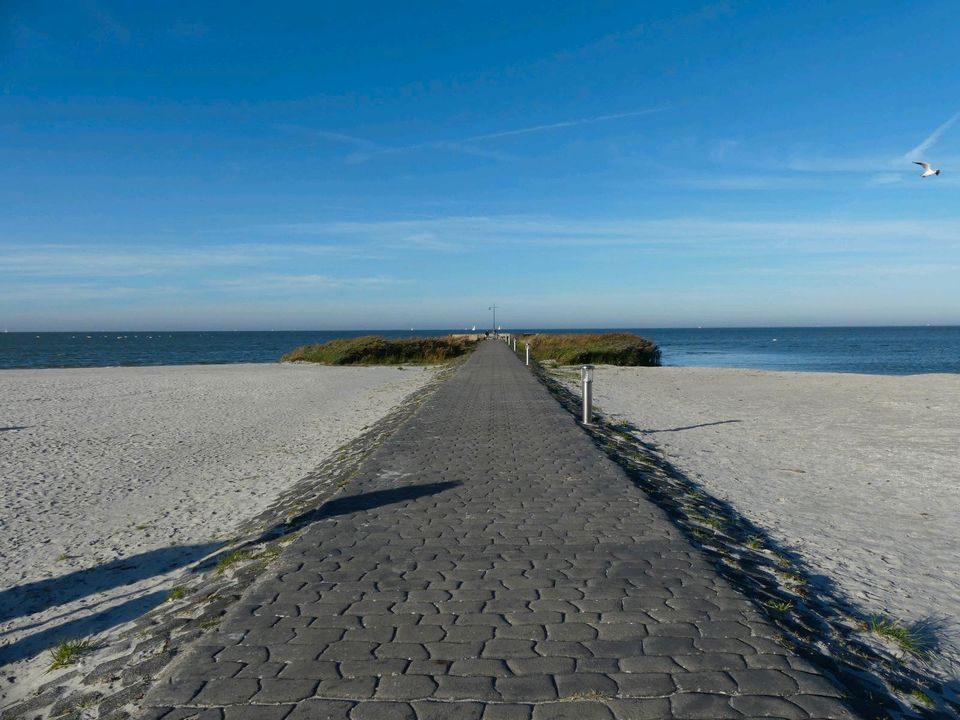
(490, 563)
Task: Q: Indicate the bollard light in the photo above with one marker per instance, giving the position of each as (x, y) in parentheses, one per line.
(586, 376)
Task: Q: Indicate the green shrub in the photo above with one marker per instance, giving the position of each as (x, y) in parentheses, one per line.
(598, 348)
(376, 350)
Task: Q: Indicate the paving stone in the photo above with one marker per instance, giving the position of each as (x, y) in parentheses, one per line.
(639, 685)
(427, 710)
(767, 706)
(702, 705)
(257, 712)
(405, 687)
(321, 710)
(705, 681)
(484, 667)
(585, 684)
(175, 692)
(827, 708)
(284, 690)
(541, 665)
(639, 708)
(227, 692)
(572, 711)
(309, 670)
(530, 688)
(382, 711)
(764, 682)
(466, 688)
(261, 670)
(358, 688)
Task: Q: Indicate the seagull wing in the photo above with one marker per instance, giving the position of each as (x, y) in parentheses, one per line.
(924, 165)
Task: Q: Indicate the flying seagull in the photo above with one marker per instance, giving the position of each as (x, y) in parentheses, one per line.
(927, 170)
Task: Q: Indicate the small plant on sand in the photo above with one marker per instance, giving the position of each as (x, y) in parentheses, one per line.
(921, 697)
(785, 642)
(68, 652)
(755, 542)
(909, 640)
(211, 623)
(231, 559)
(780, 606)
(177, 593)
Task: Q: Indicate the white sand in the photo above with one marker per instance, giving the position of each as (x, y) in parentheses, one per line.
(857, 473)
(112, 463)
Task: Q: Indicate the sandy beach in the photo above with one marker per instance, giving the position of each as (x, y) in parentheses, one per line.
(139, 471)
(856, 473)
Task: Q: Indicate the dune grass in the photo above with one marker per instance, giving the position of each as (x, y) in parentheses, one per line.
(376, 350)
(620, 348)
(907, 638)
(68, 652)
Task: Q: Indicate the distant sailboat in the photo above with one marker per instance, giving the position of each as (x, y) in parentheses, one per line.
(473, 329)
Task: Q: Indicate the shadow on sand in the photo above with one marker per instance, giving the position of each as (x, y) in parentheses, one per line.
(44, 594)
(691, 427)
(82, 627)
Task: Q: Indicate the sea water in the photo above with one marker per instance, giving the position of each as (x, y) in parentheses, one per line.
(875, 350)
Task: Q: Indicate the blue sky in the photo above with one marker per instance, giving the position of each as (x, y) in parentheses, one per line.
(340, 165)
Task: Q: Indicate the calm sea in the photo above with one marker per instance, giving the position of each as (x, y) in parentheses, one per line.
(878, 350)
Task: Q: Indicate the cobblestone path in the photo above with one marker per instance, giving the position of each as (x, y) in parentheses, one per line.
(490, 563)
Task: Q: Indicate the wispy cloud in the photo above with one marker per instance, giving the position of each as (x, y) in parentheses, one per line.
(931, 139)
(106, 261)
(367, 149)
(279, 282)
(678, 235)
(564, 124)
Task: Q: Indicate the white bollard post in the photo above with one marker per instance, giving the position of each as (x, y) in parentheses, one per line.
(586, 375)
(528, 353)
(514, 344)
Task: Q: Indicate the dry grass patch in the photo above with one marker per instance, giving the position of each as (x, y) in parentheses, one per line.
(599, 348)
(376, 350)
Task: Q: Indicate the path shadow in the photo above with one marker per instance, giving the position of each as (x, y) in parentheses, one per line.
(14, 427)
(83, 627)
(43, 594)
(690, 427)
(333, 508)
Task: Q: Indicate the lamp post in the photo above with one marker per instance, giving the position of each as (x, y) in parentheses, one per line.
(494, 308)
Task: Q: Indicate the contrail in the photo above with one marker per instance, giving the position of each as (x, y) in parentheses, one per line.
(369, 149)
(567, 123)
(932, 138)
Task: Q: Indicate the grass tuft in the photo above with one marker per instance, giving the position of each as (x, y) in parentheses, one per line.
(376, 350)
(908, 639)
(780, 606)
(921, 697)
(68, 652)
(602, 348)
(231, 559)
(177, 593)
